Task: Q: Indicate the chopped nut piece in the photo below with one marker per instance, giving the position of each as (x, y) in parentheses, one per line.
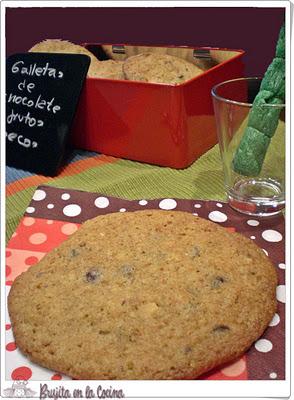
(221, 328)
(217, 282)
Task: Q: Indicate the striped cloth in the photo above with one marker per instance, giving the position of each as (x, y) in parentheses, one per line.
(120, 178)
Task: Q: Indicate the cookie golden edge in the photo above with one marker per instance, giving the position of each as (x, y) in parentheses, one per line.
(65, 46)
(243, 345)
(134, 69)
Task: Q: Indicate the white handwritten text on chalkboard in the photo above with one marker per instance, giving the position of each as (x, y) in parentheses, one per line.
(39, 103)
(42, 93)
(24, 98)
(21, 140)
(26, 119)
(35, 70)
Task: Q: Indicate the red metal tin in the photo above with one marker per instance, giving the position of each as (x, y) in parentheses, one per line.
(163, 124)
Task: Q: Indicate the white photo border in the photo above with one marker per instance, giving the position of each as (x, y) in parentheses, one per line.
(160, 389)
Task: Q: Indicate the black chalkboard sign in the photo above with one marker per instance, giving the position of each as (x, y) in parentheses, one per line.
(42, 93)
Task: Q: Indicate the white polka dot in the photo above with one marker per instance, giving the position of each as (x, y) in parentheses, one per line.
(50, 206)
(49, 222)
(197, 205)
(217, 216)
(122, 210)
(282, 266)
(263, 345)
(39, 195)
(143, 202)
(196, 215)
(101, 202)
(65, 196)
(273, 375)
(72, 210)
(252, 237)
(281, 293)
(167, 204)
(219, 205)
(275, 321)
(14, 234)
(30, 210)
(265, 252)
(252, 222)
(272, 236)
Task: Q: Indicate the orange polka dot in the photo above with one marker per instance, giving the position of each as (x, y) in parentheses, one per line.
(235, 369)
(7, 271)
(38, 238)
(11, 346)
(69, 229)
(28, 221)
(56, 377)
(31, 260)
(21, 373)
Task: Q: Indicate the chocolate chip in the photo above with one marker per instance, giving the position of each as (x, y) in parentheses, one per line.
(217, 282)
(93, 275)
(221, 328)
(181, 76)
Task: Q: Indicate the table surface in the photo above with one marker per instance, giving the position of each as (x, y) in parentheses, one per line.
(117, 177)
(93, 172)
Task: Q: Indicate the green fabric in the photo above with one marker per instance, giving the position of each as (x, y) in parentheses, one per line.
(251, 152)
(133, 180)
(280, 49)
(262, 117)
(274, 78)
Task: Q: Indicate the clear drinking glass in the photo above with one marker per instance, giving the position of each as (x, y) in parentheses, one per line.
(261, 193)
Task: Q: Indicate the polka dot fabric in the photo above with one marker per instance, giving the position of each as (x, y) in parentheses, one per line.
(55, 214)
(41, 235)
